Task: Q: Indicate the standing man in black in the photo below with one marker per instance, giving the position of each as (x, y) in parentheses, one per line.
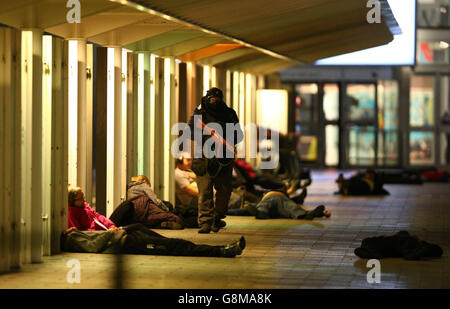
(213, 169)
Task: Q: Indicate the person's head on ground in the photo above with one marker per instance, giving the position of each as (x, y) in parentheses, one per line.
(184, 161)
(76, 197)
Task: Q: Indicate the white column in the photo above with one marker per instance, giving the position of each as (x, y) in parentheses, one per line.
(170, 117)
(31, 158)
(153, 122)
(113, 145)
(123, 146)
(73, 111)
(47, 62)
(89, 108)
(82, 133)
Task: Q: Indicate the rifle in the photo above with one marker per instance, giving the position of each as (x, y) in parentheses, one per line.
(219, 139)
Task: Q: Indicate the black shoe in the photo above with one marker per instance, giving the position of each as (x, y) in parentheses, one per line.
(217, 225)
(234, 248)
(204, 229)
(316, 212)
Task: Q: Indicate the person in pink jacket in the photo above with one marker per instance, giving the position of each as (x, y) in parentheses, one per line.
(82, 216)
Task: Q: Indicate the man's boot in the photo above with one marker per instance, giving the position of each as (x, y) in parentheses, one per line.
(217, 225)
(234, 248)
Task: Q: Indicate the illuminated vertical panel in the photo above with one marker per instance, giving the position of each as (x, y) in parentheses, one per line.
(89, 119)
(206, 79)
(228, 88)
(73, 112)
(152, 117)
(235, 105)
(31, 144)
(140, 115)
(241, 148)
(124, 123)
(272, 109)
(46, 140)
(249, 94)
(110, 155)
(170, 108)
(26, 98)
(213, 77)
(147, 125)
(118, 191)
(82, 119)
(167, 103)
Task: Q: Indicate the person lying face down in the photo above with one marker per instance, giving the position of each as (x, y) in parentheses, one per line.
(137, 239)
(81, 216)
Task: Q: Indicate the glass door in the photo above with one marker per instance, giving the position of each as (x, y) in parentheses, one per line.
(360, 125)
(330, 103)
(307, 120)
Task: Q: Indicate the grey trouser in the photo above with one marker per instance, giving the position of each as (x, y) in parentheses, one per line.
(208, 211)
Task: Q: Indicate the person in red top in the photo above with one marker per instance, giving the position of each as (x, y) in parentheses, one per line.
(82, 216)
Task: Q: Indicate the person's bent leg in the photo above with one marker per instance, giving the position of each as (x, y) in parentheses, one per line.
(123, 214)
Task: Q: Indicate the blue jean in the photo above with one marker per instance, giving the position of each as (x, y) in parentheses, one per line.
(275, 206)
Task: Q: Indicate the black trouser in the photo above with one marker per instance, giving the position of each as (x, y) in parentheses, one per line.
(123, 214)
(141, 240)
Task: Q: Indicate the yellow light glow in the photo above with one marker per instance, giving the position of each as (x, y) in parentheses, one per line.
(152, 113)
(110, 130)
(167, 101)
(213, 77)
(124, 123)
(206, 79)
(272, 109)
(73, 112)
(140, 115)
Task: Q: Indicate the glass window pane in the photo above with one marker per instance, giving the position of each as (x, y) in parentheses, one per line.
(360, 102)
(421, 108)
(433, 13)
(307, 147)
(331, 101)
(305, 101)
(445, 148)
(332, 145)
(433, 52)
(361, 145)
(421, 148)
(445, 100)
(387, 105)
(387, 148)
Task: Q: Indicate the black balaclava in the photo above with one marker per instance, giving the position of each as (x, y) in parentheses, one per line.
(215, 109)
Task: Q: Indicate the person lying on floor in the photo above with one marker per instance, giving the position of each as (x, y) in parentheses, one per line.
(401, 244)
(137, 239)
(276, 204)
(260, 184)
(140, 185)
(367, 183)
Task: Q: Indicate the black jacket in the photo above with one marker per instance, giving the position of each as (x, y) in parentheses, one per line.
(401, 244)
(218, 113)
